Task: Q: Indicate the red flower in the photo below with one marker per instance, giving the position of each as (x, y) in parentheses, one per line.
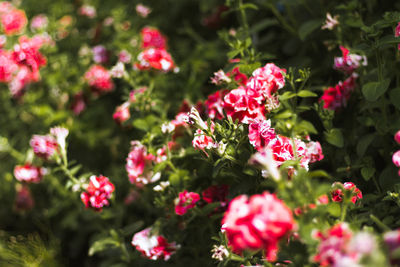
(216, 193)
(261, 133)
(333, 246)
(98, 193)
(156, 58)
(336, 97)
(337, 194)
(99, 79)
(267, 80)
(26, 53)
(29, 173)
(122, 113)
(13, 21)
(257, 223)
(153, 247)
(349, 62)
(239, 77)
(244, 104)
(138, 165)
(214, 105)
(8, 67)
(44, 146)
(23, 198)
(152, 37)
(186, 201)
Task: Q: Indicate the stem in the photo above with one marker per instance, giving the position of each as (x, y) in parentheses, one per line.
(244, 18)
(379, 223)
(344, 211)
(281, 19)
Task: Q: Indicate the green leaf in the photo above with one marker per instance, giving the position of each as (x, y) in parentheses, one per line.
(363, 144)
(373, 90)
(308, 27)
(395, 97)
(306, 93)
(334, 209)
(307, 126)
(388, 40)
(102, 244)
(286, 95)
(367, 173)
(334, 137)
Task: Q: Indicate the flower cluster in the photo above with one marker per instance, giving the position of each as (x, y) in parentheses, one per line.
(257, 223)
(139, 164)
(98, 193)
(29, 173)
(13, 20)
(152, 246)
(339, 247)
(337, 97)
(185, 201)
(99, 79)
(263, 137)
(154, 54)
(247, 102)
(337, 193)
(21, 65)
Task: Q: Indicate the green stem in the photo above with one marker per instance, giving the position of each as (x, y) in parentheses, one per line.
(281, 19)
(379, 223)
(344, 211)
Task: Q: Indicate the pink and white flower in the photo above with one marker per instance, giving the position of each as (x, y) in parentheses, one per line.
(152, 246)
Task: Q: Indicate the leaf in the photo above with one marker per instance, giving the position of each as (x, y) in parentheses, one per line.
(306, 93)
(367, 173)
(388, 40)
(334, 137)
(363, 144)
(334, 209)
(286, 95)
(395, 97)
(102, 244)
(373, 90)
(307, 126)
(308, 27)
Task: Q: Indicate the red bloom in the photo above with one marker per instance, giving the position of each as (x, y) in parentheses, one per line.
(152, 37)
(239, 77)
(186, 201)
(257, 223)
(23, 198)
(267, 80)
(333, 246)
(216, 193)
(336, 97)
(29, 173)
(153, 247)
(44, 146)
(349, 62)
(156, 58)
(98, 193)
(314, 152)
(214, 105)
(13, 21)
(26, 53)
(244, 104)
(7, 66)
(138, 165)
(122, 113)
(261, 133)
(79, 103)
(337, 194)
(99, 79)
